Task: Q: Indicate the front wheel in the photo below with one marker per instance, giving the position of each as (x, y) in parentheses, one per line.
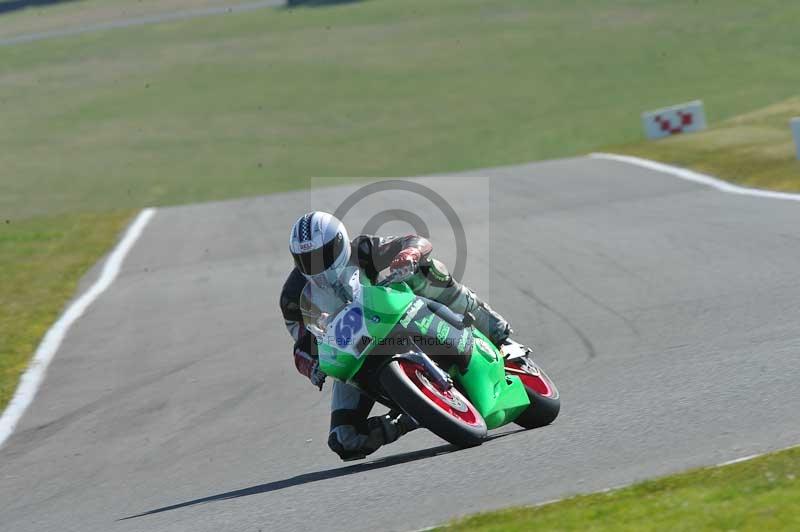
(446, 413)
(543, 395)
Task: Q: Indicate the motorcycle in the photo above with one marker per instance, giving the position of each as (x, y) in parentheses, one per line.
(417, 356)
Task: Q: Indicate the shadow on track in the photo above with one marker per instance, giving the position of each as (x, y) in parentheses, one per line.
(16, 5)
(316, 476)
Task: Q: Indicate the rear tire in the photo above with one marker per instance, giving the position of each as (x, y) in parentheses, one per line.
(448, 414)
(542, 393)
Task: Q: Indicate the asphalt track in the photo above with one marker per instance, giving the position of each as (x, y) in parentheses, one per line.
(127, 22)
(666, 311)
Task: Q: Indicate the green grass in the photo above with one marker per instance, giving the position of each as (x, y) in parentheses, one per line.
(761, 494)
(249, 103)
(105, 123)
(41, 260)
(755, 149)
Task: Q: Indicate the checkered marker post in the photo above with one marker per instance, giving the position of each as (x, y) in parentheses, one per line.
(796, 134)
(682, 118)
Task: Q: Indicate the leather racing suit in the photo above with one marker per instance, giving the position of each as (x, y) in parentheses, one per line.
(353, 434)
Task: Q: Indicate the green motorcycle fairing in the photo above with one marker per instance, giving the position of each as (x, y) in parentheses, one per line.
(376, 311)
(360, 325)
(499, 398)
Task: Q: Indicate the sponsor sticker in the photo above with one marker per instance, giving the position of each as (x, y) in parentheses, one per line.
(412, 311)
(424, 324)
(462, 342)
(442, 330)
(485, 347)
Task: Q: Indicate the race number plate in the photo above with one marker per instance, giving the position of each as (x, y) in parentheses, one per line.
(347, 332)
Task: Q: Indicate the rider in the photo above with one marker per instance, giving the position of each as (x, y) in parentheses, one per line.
(325, 258)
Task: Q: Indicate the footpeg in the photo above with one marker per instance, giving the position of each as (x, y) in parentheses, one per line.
(511, 349)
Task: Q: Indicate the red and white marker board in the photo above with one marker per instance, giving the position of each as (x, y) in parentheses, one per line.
(682, 118)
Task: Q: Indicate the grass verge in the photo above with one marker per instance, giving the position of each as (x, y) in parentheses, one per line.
(755, 149)
(760, 494)
(41, 261)
(248, 103)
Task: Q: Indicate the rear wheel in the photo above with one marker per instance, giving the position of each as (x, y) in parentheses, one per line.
(542, 393)
(446, 413)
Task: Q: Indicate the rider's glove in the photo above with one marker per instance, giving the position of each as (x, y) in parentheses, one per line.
(405, 264)
(309, 366)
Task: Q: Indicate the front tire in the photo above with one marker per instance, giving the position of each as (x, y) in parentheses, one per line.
(542, 393)
(446, 413)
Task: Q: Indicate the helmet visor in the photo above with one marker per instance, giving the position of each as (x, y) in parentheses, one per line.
(318, 260)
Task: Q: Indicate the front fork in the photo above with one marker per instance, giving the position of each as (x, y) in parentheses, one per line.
(433, 371)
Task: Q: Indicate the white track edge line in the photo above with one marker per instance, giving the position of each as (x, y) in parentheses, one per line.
(738, 460)
(34, 375)
(696, 177)
(623, 486)
(703, 179)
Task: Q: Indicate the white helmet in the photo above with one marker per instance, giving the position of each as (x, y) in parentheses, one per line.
(320, 247)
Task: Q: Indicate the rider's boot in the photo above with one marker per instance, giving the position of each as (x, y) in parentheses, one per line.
(403, 422)
(380, 430)
(437, 283)
(487, 320)
(389, 427)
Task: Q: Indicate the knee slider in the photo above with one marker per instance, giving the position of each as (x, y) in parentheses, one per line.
(346, 452)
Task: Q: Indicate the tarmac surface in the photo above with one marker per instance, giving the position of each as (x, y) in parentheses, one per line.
(665, 311)
(129, 21)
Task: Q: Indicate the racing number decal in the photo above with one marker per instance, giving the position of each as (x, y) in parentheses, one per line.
(348, 326)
